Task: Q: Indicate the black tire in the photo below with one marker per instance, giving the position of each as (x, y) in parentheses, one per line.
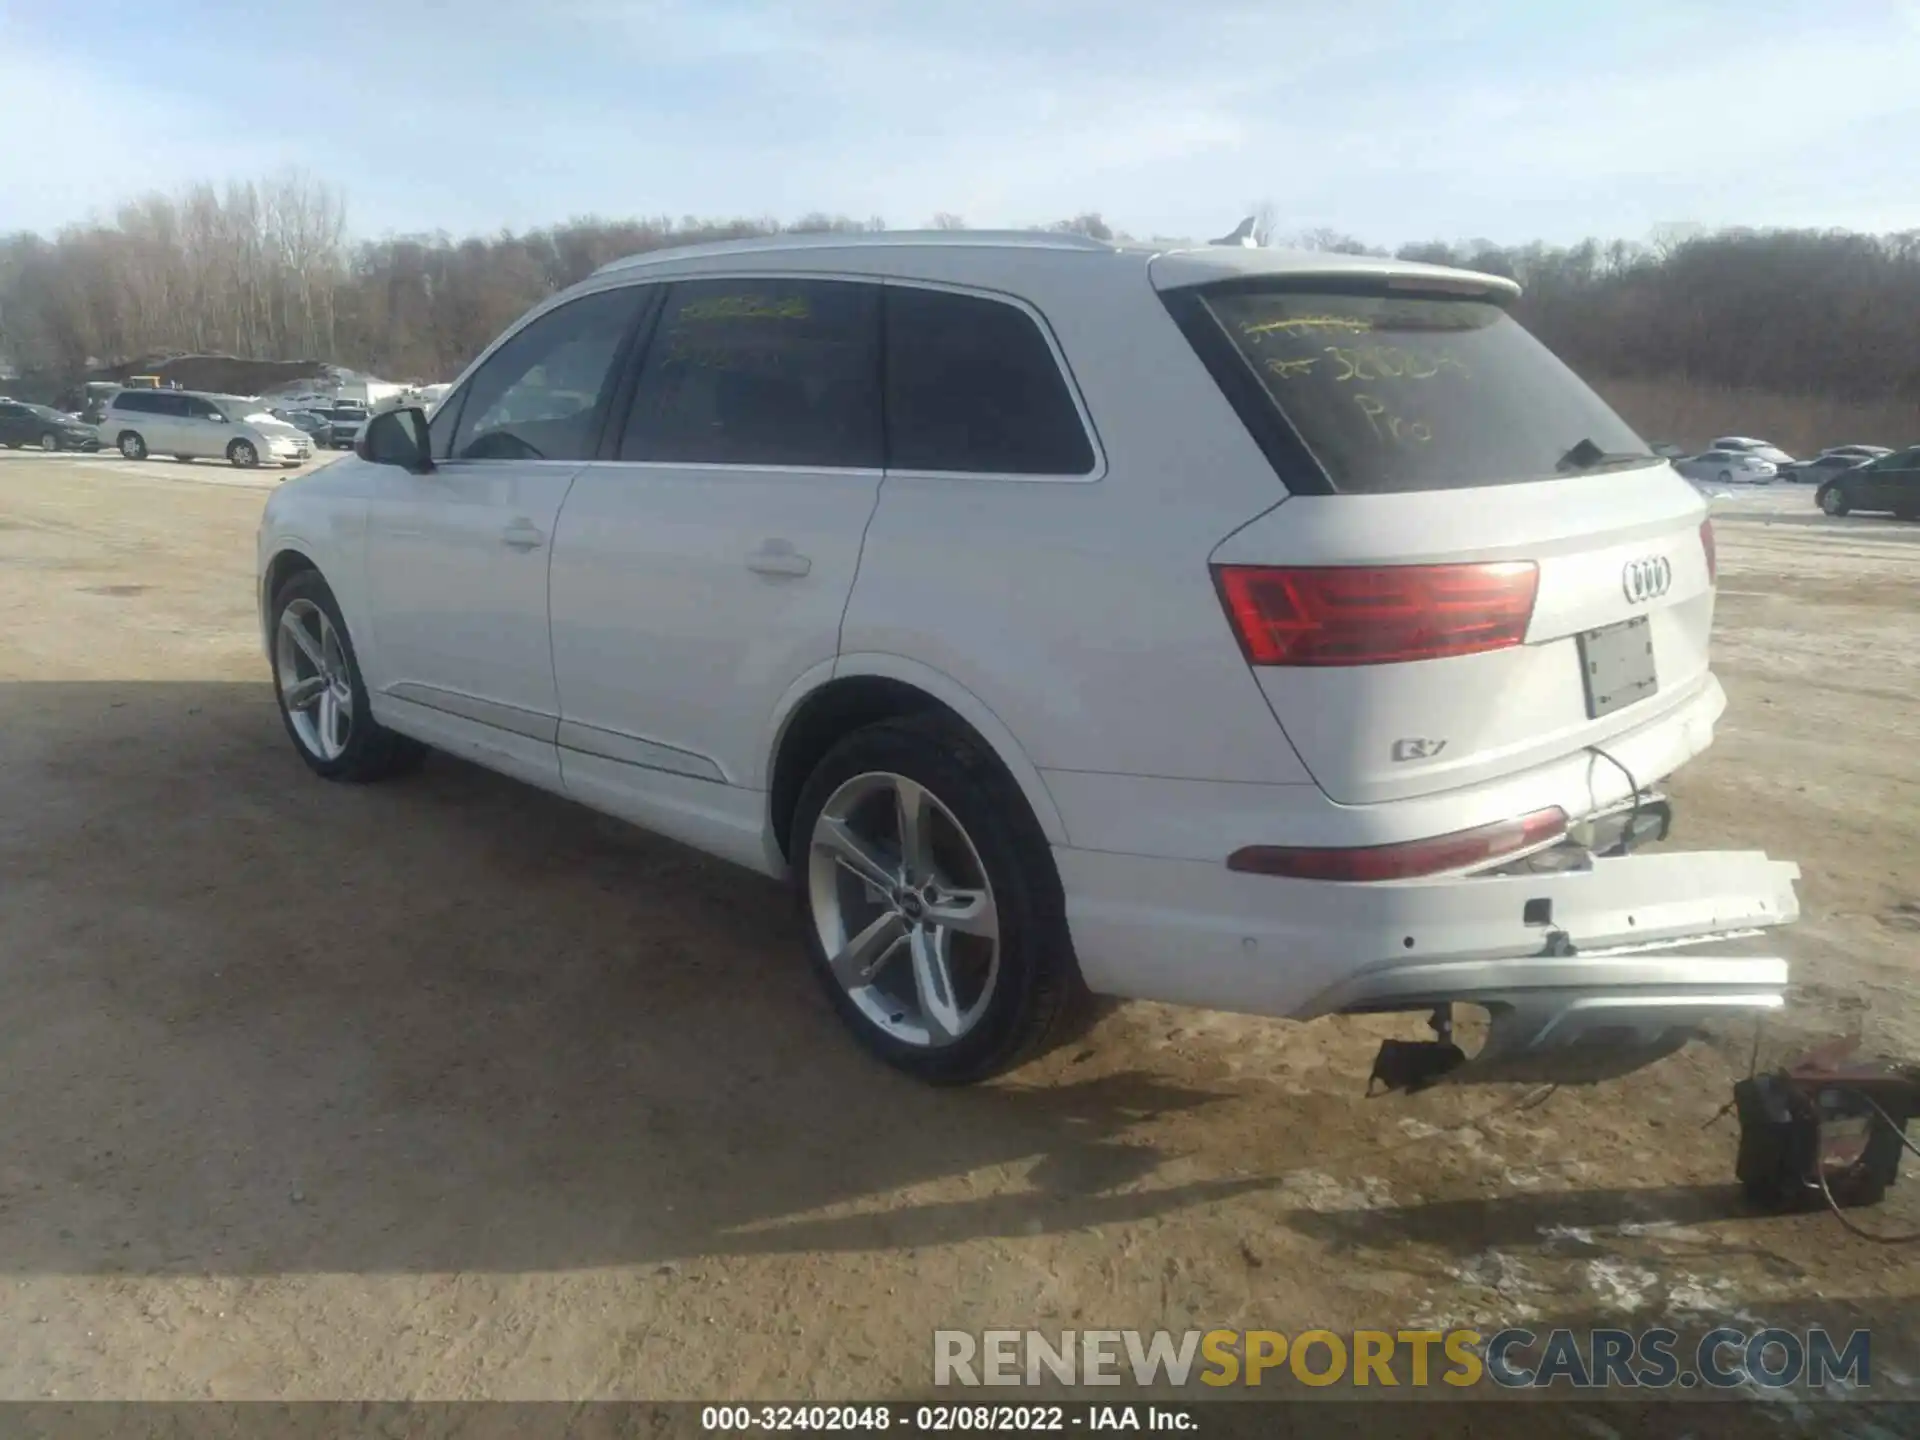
(50, 442)
(132, 445)
(372, 752)
(1726, 477)
(1039, 996)
(1832, 500)
(243, 455)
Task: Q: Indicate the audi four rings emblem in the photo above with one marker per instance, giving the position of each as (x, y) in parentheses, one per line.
(1647, 579)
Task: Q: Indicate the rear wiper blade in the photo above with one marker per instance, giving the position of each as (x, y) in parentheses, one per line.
(1589, 456)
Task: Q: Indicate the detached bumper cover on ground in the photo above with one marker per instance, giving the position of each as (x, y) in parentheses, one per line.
(1587, 974)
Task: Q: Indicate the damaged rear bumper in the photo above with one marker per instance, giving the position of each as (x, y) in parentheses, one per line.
(1585, 973)
(1665, 944)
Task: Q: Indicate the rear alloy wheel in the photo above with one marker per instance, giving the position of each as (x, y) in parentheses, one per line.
(1833, 500)
(934, 914)
(323, 699)
(1726, 477)
(132, 446)
(242, 454)
(49, 442)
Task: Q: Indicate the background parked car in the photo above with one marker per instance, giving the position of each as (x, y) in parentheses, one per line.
(347, 421)
(1747, 445)
(1864, 452)
(1727, 467)
(191, 426)
(1822, 467)
(1891, 483)
(318, 428)
(22, 424)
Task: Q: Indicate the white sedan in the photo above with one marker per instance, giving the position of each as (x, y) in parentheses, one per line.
(1747, 445)
(1728, 467)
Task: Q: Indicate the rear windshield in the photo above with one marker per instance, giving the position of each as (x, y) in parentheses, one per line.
(1395, 392)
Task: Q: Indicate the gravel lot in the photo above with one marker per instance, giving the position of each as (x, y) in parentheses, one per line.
(451, 1089)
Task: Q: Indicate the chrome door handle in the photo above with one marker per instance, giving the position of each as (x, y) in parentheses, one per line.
(522, 535)
(777, 557)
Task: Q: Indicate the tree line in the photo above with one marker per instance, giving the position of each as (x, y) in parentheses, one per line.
(267, 270)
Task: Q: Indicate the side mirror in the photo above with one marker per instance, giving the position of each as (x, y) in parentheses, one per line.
(397, 437)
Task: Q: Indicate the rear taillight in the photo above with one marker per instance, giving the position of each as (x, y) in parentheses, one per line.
(1377, 616)
(1462, 850)
(1713, 556)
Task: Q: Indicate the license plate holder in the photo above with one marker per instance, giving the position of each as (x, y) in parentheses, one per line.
(1616, 665)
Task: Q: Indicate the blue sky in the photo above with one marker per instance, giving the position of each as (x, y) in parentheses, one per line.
(1551, 119)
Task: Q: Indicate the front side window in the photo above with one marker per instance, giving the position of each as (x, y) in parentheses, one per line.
(761, 372)
(543, 394)
(1400, 392)
(973, 387)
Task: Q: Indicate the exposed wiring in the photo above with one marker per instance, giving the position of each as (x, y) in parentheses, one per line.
(1633, 816)
(1820, 1174)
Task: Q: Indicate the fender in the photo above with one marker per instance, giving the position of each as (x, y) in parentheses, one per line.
(334, 544)
(947, 691)
(272, 547)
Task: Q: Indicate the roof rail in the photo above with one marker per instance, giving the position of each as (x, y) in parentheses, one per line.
(861, 239)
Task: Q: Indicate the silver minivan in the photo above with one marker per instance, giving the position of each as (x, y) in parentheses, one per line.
(191, 426)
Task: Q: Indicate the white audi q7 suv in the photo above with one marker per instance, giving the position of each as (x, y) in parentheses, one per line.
(1289, 634)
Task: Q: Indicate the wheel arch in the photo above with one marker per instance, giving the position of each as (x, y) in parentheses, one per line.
(859, 690)
(288, 560)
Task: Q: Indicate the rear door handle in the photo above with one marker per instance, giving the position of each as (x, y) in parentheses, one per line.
(777, 557)
(522, 535)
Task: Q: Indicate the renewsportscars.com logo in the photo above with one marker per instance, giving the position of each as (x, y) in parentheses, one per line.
(1722, 1358)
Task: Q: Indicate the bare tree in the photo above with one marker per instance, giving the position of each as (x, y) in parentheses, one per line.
(265, 270)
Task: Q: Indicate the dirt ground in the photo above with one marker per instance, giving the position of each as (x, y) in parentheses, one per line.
(448, 1088)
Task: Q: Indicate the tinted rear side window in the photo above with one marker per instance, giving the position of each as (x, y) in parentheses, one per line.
(973, 386)
(1394, 392)
(762, 372)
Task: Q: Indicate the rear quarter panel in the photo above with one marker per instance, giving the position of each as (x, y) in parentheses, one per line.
(1082, 613)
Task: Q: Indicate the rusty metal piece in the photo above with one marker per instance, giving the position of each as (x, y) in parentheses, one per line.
(1824, 1118)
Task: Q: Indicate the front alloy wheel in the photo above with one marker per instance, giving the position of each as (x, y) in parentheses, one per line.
(904, 910)
(316, 687)
(1833, 500)
(323, 699)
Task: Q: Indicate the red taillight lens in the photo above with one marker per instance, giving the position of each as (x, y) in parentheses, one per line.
(1713, 556)
(1377, 616)
(1462, 850)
